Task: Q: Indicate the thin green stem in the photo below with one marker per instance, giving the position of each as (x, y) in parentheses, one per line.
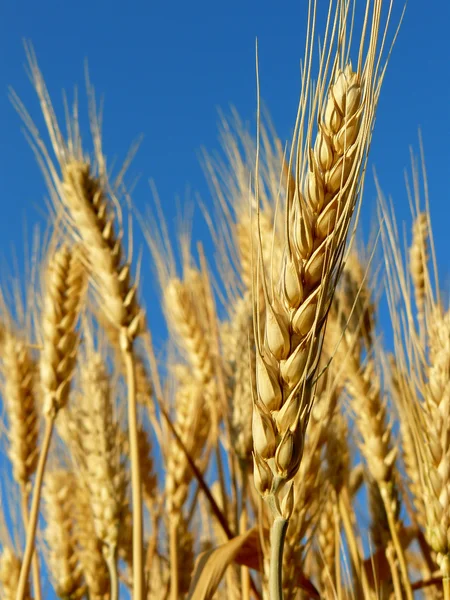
(34, 512)
(277, 537)
(136, 483)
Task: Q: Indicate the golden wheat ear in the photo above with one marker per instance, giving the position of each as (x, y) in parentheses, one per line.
(65, 284)
(20, 392)
(329, 154)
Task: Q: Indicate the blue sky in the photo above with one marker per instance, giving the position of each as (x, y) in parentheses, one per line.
(165, 68)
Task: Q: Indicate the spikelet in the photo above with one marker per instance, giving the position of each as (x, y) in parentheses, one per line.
(62, 557)
(63, 296)
(89, 209)
(9, 575)
(19, 385)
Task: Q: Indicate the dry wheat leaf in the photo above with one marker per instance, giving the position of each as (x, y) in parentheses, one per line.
(211, 565)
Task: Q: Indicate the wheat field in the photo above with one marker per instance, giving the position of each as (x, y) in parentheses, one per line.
(275, 445)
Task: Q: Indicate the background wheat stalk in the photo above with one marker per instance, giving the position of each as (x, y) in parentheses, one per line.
(63, 296)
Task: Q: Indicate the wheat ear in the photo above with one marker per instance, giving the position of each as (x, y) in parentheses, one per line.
(288, 353)
(329, 173)
(436, 449)
(19, 375)
(62, 303)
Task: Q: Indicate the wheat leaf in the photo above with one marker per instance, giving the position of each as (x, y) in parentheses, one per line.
(211, 565)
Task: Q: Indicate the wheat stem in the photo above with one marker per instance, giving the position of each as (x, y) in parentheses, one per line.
(337, 553)
(173, 541)
(390, 556)
(111, 563)
(136, 483)
(345, 511)
(243, 524)
(34, 512)
(446, 587)
(397, 544)
(35, 559)
(277, 537)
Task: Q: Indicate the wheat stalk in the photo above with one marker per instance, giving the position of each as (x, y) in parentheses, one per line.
(87, 201)
(105, 474)
(19, 379)
(62, 303)
(317, 221)
(19, 375)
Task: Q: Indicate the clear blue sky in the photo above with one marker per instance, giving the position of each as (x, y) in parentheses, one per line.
(165, 68)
